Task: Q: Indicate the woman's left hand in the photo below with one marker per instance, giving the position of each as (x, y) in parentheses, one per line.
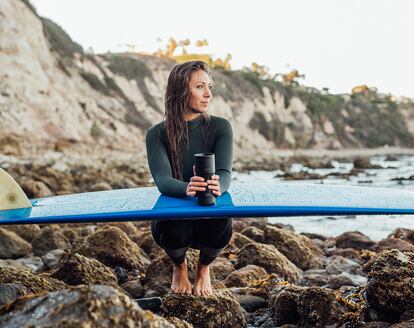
(214, 185)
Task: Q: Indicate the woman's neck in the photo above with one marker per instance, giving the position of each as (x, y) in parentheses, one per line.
(191, 116)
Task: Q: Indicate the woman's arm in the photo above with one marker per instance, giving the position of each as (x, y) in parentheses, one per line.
(160, 167)
(223, 151)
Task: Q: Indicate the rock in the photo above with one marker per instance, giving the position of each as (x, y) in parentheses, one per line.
(337, 281)
(284, 301)
(72, 235)
(313, 236)
(50, 238)
(390, 288)
(254, 233)
(53, 258)
(260, 291)
(349, 253)
(26, 231)
(148, 244)
(78, 269)
(33, 282)
(35, 189)
(251, 303)
(122, 274)
(158, 276)
(112, 247)
(376, 324)
(404, 234)
(33, 263)
(218, 310)
(178, 323)
(151, 303)
(341, 264)
(134, 288)
(239, 240)
(243, 276)
(394, 243)
(239, 225)
(299, 249)
(407, 315)
(355, 240)
(126, 227)
(364, 163)
(269, 258)
(314, 279)
(221, 267)
(12, 246)
(405, 324)
(85, 306)
(11, 292)
(318, 307)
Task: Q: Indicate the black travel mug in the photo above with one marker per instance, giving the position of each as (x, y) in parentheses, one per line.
(205, 167)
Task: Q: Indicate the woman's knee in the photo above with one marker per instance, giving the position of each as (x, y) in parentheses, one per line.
(172, 234)
(214, 233)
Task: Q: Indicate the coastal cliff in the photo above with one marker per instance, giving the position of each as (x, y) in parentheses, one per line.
(55, 96)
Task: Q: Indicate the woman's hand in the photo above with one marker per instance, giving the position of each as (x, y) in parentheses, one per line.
(214, 185)
(198, 184)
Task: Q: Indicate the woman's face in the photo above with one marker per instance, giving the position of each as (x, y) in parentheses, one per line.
(200, 91)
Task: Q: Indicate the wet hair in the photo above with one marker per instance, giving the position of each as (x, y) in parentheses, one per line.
(177, 104)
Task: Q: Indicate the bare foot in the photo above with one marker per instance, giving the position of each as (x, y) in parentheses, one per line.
(180, 283)
(202, 284)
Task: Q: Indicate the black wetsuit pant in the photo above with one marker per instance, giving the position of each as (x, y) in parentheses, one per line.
(210, 236)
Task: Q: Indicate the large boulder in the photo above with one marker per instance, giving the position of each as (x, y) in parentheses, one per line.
(339, 264)
(11, 292)
(147, 243)
(78, 269)
(318, 307)
(12, 246)
(269, 258)
(26, 231)
(394, 243)
(33, 282)
(254, 233)
(221, 268)
(85, 306)
(50, 238)
(390, 288)
(112, 247)
(299, 249)
(305, 306)
(356, 240)
(218, 310)
(243, 276)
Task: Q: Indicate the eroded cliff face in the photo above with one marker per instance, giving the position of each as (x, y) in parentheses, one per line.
(53, 96)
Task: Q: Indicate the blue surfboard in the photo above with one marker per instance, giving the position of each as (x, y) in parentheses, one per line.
(241, 200)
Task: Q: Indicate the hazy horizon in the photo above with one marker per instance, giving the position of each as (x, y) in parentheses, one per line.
(336, 44)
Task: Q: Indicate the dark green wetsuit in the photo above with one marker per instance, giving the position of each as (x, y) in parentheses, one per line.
(176, 236)
(219, 142)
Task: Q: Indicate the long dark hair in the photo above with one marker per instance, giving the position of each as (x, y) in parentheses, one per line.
(177, 104)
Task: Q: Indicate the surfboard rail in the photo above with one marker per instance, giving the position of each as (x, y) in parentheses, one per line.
(241, 200)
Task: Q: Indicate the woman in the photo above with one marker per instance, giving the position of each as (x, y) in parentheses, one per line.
(187, 129)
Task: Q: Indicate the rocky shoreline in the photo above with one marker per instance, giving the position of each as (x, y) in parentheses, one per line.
(268, 276)
(114, 275)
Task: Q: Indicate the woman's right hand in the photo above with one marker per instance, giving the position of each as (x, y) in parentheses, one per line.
(196, 184)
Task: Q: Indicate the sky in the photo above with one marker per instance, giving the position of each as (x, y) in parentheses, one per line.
(337, 44)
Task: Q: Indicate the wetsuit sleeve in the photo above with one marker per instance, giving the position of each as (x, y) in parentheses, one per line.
(160, 167)
(223, 151)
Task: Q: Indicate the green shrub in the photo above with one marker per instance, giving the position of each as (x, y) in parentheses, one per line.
(94, 82)
(59, 39)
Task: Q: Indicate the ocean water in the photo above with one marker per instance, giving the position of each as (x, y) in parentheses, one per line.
(376, 227)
